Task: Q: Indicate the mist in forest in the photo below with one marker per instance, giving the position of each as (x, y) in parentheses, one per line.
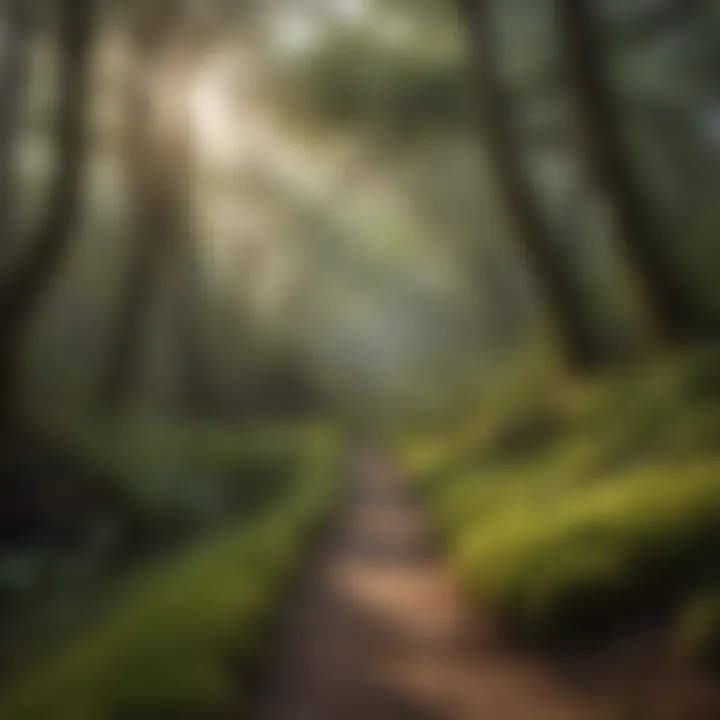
(261, 260)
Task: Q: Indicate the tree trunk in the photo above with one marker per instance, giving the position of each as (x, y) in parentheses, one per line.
(675, 308)
(26, 288)
(150, 234)
(560, 288)
(13, 72)
(151, 245)
(196, 386)
(160, 174)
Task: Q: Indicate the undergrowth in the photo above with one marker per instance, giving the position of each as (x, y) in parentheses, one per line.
(178, 638)
(591, 506)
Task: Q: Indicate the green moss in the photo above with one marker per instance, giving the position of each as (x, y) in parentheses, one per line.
(166, 648)
(597, 552)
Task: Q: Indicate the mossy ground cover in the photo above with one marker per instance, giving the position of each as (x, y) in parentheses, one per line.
(596, 505)
(177, 638)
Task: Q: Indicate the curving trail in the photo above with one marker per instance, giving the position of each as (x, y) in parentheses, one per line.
(378, 631)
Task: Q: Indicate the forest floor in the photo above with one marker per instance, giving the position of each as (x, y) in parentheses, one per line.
(378, 630)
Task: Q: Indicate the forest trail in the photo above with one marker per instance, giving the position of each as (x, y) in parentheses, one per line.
(378, 631)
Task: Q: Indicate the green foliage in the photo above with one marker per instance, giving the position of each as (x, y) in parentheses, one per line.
(170, 646)
(698, 629)
(604, 506)
(596, 554)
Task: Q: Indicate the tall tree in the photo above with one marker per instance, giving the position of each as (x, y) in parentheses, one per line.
(151, 208)
(196, 387)
(196, 390)
(676, 308)
(15, 34)
(27, 286)
(557, 282)
(160, 174)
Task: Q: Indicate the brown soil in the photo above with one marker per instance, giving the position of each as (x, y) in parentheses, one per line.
(379, 631)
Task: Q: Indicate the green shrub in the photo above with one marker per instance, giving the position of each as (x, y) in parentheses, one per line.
(582, 561)
(613, 512)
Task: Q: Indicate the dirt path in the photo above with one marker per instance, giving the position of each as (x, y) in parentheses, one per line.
(379, 632)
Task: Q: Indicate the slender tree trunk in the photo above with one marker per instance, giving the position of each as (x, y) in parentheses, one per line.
(161, 170)
(15, 24)
(557, 282)
(150, 240)
(152, 237)
(196, 386)
(26, 288)
(196, 376)
(150, 248)
(675, 307)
